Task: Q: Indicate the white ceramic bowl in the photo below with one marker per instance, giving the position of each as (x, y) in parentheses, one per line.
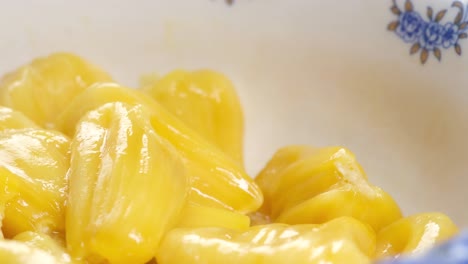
(308, 72)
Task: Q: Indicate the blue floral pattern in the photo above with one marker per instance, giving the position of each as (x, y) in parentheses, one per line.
(429, 36)
(410, 27)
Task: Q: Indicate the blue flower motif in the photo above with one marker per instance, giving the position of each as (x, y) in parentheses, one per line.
(450, 36)
(410, 27)
(432, 36)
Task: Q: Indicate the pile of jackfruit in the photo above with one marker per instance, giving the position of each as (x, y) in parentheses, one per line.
(95, 172)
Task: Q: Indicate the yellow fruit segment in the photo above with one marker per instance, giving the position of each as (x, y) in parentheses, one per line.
(127, 186)
(216, 180)
(10, 119)
(14, 252)
(33, 176)
(343, 240)
(414, 234)
(47, 244)
(194, 215)
(374, 207)
(314, 185)
(205, 101)
(292, 167)
(94, 97)
(43, 88)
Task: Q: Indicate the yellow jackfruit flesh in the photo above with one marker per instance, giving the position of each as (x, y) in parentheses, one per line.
(194, 216)
(43, 88)
(127, 186)
(216, 180)
(342, 240)
(205, 101)
(55, 247)
(14, 252)
(33, 176)
(11, 119)
(414, 234)
(314, 185)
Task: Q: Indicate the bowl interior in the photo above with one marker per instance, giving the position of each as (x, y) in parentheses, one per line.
(308, 72)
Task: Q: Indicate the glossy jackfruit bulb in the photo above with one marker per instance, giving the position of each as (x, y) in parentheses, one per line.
(295, 168)
(194, 215)
(94, 97)
(205, 101)
(414, 234)
(127, 186)
(52, 246)
(14, 252)
(11, 119)
(43, 88)
(216, 180)
(314, 185)
(368, 204)
(33, 176)
(343, 240)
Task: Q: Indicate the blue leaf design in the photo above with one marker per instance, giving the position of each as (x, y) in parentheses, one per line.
(458, 49)
(393, 25)
(408, 6)
(440, 15)
(437, 54)
(395, 10)
(429, 12)
(431, 35)
(459, 16)
(424, 56)
(415, 48)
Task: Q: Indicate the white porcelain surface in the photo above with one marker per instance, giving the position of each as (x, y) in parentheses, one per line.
(308, 72)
